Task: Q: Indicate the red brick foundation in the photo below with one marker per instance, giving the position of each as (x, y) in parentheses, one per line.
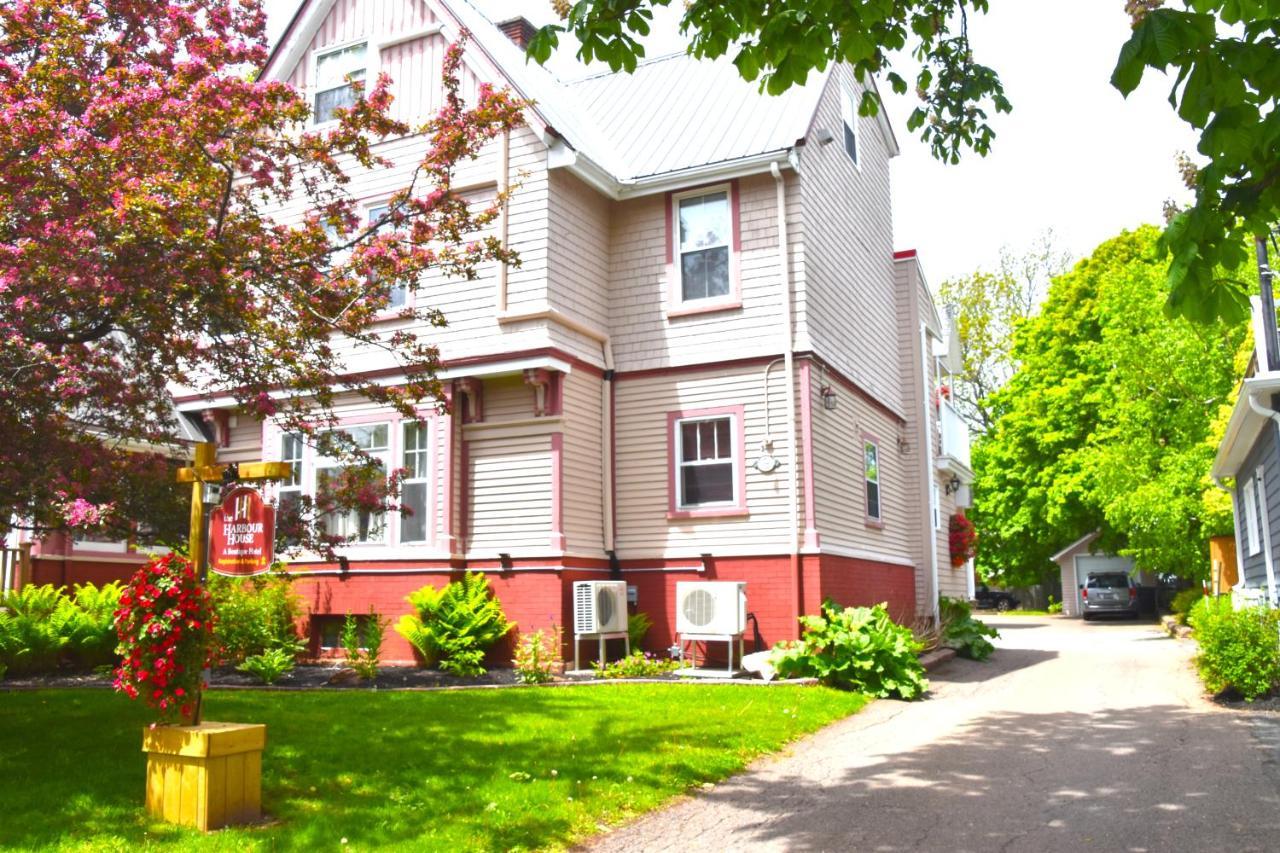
(537, 594)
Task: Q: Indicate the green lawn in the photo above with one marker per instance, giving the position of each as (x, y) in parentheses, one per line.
(419, 771)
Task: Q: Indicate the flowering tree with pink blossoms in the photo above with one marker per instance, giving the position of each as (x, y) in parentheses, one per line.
(140, 158)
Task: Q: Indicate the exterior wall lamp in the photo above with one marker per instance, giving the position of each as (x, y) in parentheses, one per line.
(953, 485)
(829, 398)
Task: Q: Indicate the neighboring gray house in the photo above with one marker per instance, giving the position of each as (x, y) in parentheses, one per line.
(1076, 562)
(1249, 457)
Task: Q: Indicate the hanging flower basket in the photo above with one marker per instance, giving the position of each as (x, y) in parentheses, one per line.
(963, 539)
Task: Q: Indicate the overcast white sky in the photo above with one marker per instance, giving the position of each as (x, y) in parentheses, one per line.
(1073, 156)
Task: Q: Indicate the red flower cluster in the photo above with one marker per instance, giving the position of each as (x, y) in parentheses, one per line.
(963, 539)
(166, 637)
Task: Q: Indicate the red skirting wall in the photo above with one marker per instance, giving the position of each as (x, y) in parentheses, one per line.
(537, 594)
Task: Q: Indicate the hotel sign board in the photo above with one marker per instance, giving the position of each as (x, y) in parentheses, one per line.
(242, 534)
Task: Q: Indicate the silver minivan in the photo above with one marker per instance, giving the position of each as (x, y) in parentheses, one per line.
(1109, 592)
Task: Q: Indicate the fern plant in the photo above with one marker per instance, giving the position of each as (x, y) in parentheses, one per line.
(453, 627)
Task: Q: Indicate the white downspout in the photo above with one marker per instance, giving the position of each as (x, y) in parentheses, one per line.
(928, 471)
(788, 369)
(606, 443)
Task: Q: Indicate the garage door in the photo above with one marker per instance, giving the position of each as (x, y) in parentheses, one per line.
(1094, 564)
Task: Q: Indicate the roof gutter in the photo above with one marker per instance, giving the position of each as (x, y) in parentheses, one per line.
(564, 156)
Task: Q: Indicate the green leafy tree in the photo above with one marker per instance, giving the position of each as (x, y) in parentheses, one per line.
(782, 41)
(989, 307)
(1106, 424)
(1224, 59)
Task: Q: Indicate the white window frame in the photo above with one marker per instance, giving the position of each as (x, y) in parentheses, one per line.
(678, 462)
(1253, 540)
(402, 452)
(867, 481)
(314, 90)
(849, 118)
(733, 297)
(406, 293)
(318, 463)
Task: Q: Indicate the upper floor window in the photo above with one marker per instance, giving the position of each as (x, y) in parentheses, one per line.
(871, 474)
(336, 71)
(400, 291)
(849, 124)
(704, 229)
(290, 491)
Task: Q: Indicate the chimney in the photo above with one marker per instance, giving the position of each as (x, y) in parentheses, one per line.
(519, 30)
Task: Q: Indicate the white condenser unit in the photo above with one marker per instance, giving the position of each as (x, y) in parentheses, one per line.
(711, 607)
(599, 607)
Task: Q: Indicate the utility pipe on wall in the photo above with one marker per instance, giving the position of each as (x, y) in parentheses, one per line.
(788, 363)
(930, 490)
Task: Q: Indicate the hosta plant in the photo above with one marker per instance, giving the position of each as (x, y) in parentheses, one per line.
(166, 638)
(960, 631)
(855, 648)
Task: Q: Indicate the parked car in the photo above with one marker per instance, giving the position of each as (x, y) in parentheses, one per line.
(986, 598)
(1109, 592)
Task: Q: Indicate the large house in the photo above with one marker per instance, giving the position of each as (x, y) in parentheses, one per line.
(710, 363)
(1247, 465)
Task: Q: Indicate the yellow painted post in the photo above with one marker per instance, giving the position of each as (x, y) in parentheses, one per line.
(206, 453)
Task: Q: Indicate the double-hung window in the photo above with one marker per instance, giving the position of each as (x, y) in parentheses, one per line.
(336, 71)
(706, 462)
(849, 124)
(704, 235)
(290, 491)
(399, 292)
(355, 525)
(871, 475)
(1249, 495)
(413, 489)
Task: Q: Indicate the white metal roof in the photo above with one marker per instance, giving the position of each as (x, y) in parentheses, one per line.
(673, 114)
(676, 112)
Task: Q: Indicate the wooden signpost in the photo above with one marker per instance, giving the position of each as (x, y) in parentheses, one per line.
(209, 775)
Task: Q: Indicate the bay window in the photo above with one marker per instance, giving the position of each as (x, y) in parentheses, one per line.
(355, 525)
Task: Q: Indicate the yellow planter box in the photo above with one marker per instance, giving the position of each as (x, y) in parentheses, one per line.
(205, 776)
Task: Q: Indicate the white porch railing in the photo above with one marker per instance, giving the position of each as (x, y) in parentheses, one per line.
(955, 434)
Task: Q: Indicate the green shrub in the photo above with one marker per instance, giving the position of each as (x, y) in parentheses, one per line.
(537, 656)
(254, 616)
(1054, 606)
(454, 626)
(363, 652)
(1238, 648)
(638, 624)
(855, 648)
(960, 631)
(42, 627)
(1184, 601)
(638, 664)
(268, 666)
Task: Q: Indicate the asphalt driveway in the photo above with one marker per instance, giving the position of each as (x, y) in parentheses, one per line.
(1074, 736)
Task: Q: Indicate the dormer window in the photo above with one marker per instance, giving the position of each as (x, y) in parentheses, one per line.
(849, 123)
(336, 71)
(705, 231)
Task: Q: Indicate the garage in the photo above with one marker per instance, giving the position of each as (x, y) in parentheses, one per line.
(1076, 562)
